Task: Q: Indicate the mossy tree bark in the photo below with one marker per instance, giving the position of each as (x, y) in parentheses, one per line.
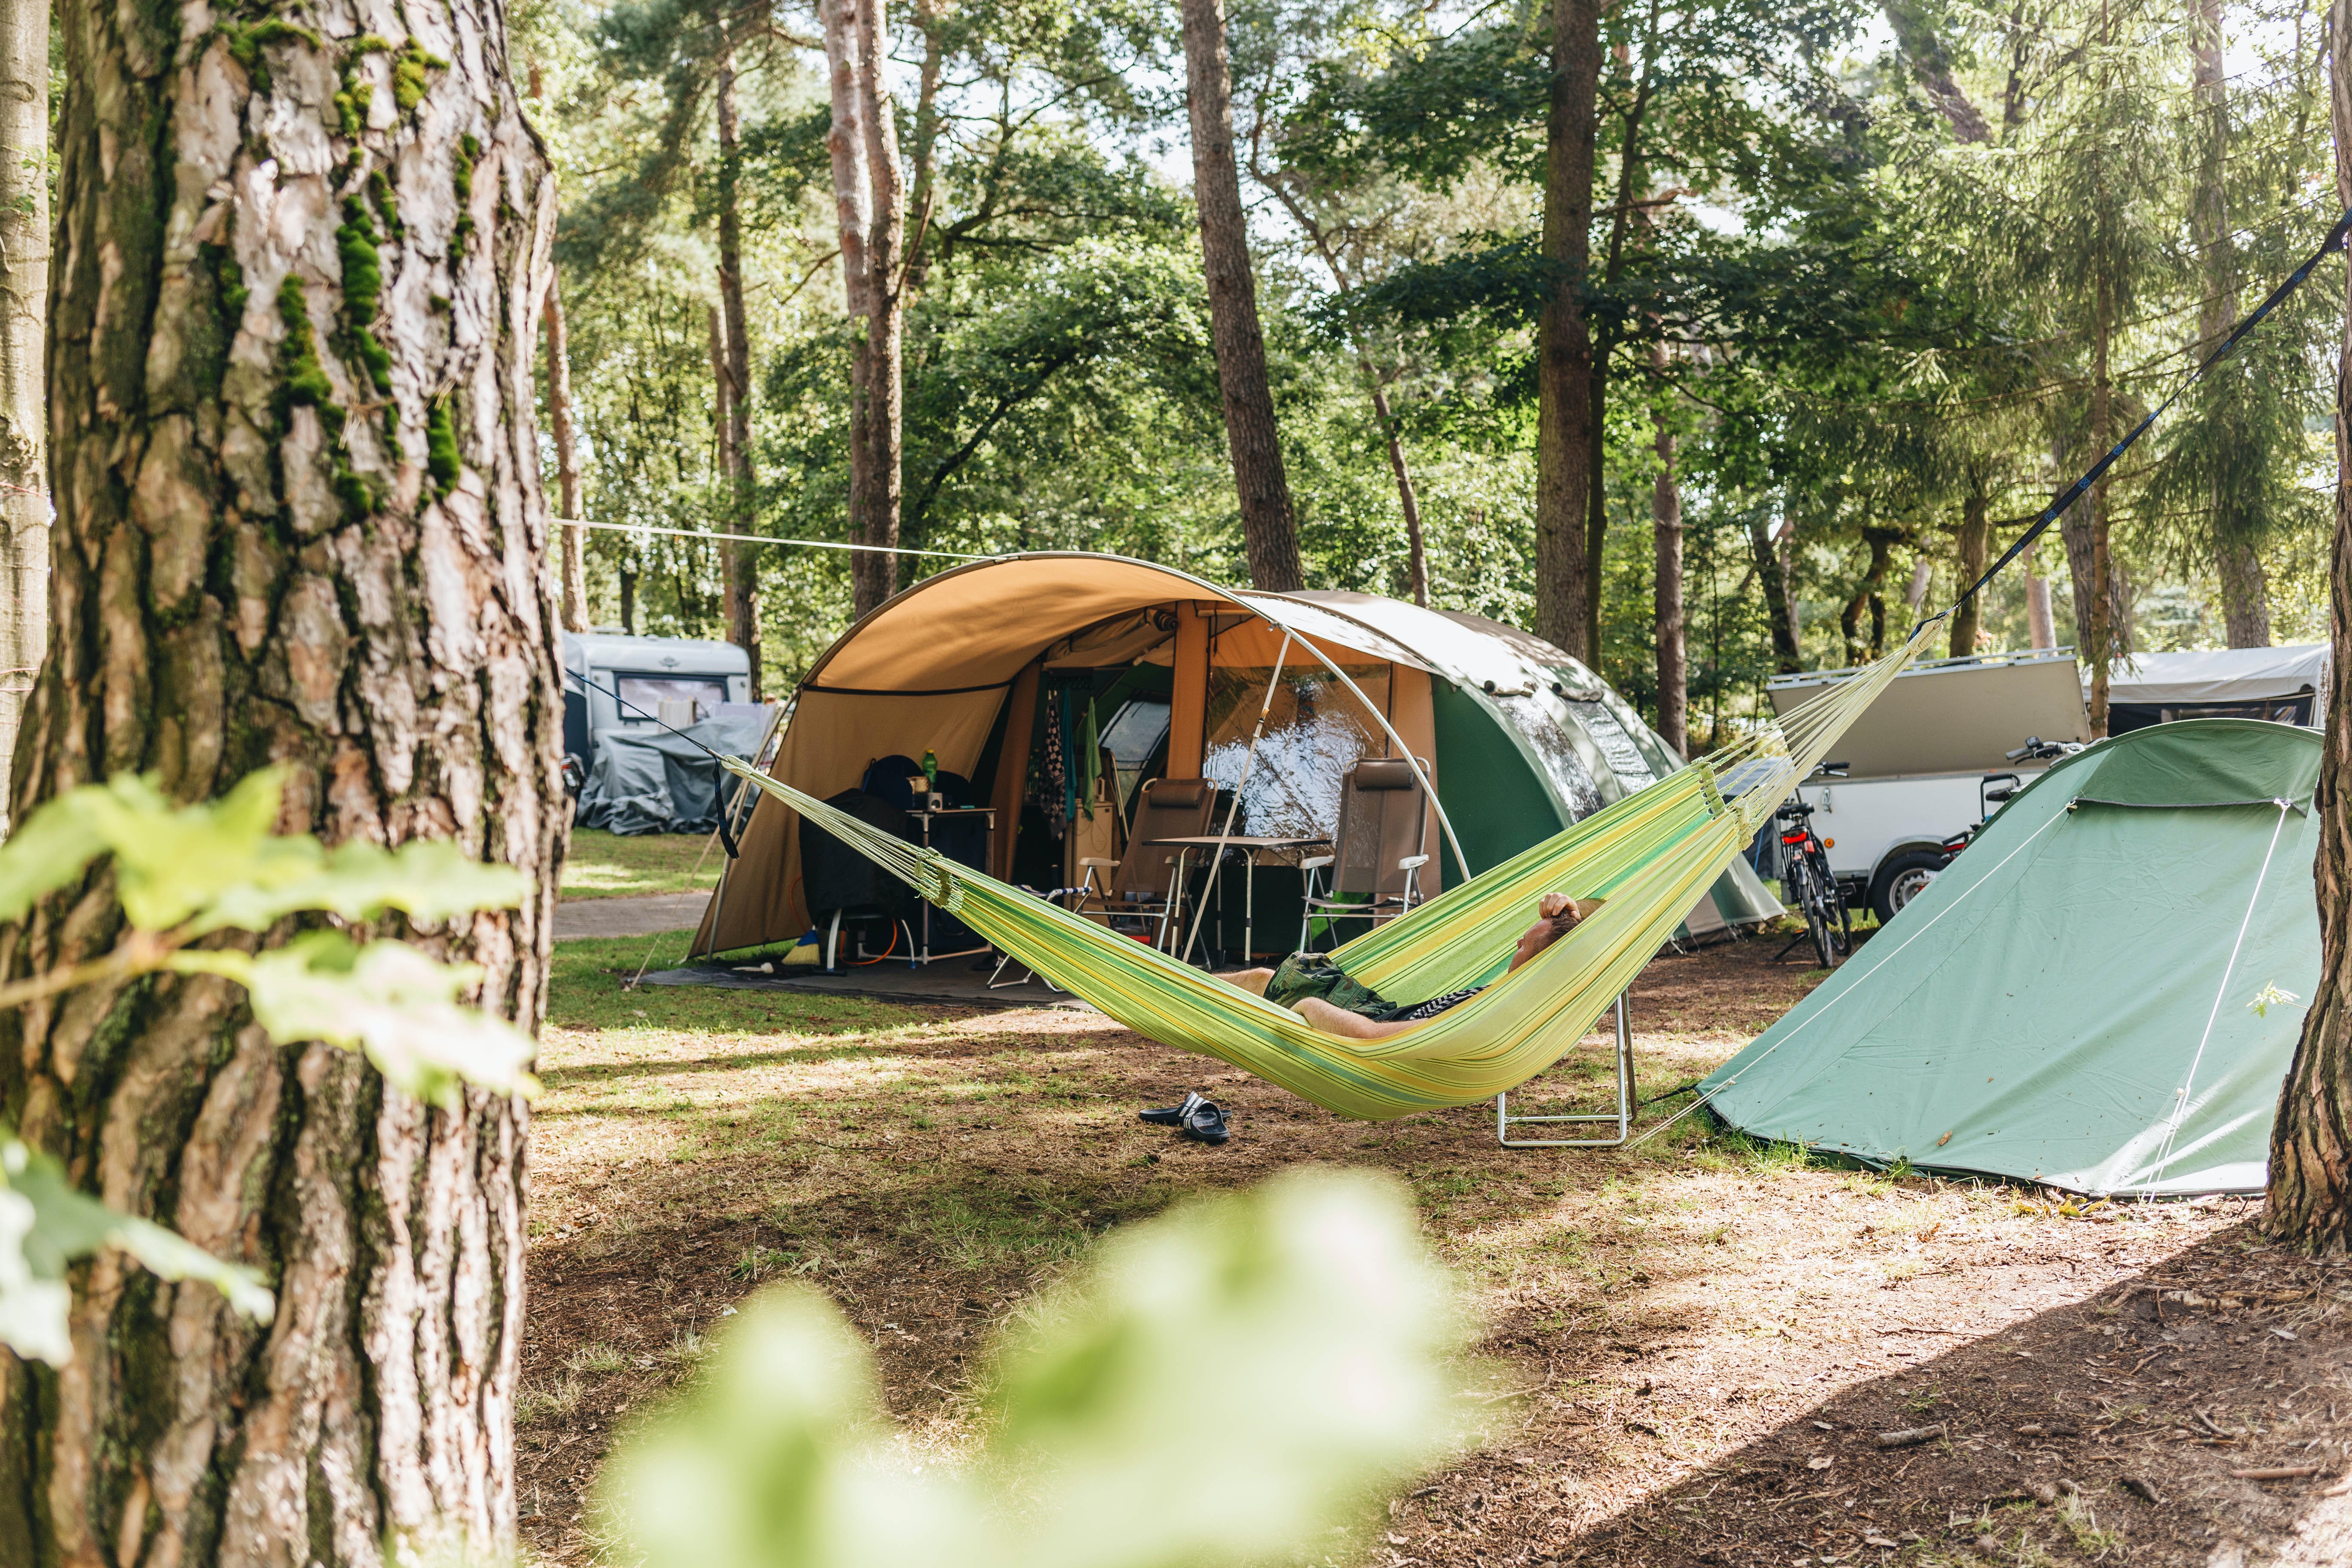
(24, 304)
(2311, 1140)
(301, 267)
(738, 563)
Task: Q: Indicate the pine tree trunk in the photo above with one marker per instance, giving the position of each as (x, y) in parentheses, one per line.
(1666, 539)
(1564, 476)
(299, 522)
(2040, 624)
(573, 540)
(1417, 549)
(868, 205)
(1787, 656)
(739, 564)
(2237, 564)
(24, 305)
(1269, 529)
(2311, 1141)
(1975, 538)
(2100, 642)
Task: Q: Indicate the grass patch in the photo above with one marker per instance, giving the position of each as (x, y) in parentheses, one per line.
(605, 866)
(586, 991)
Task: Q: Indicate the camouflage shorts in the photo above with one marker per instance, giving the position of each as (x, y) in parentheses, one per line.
(1306, 974)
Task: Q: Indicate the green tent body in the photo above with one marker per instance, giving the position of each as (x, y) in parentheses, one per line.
(2102, 993)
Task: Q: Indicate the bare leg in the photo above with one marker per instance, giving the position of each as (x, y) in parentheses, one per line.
(1338, 1021)
(1254, 981)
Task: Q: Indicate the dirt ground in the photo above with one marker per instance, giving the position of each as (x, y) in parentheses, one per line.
(1692, 1348)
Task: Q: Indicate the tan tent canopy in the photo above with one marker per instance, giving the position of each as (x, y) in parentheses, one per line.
(954, 666)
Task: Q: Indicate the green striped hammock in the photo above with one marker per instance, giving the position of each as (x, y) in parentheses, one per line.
(1650, 856)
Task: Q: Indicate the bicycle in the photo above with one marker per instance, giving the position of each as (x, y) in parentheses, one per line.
(1805, 877)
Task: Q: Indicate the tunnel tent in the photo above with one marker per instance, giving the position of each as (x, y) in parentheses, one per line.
(974, 664)
(2103, 993)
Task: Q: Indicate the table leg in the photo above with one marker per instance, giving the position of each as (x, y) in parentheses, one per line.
(1249, 907)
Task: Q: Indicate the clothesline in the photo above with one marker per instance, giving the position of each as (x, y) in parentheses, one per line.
(761, 539)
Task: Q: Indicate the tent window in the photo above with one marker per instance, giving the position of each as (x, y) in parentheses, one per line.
(1547, 735)
(1134, 733)
(1315, 732)
(1625, 759)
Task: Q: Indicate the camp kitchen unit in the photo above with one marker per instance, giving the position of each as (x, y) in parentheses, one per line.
(1916, 762)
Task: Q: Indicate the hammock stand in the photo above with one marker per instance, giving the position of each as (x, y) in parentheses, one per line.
(1622, 1118)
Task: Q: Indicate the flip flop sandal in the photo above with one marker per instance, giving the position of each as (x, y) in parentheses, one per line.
(1172, 1115)
(1207, 1124)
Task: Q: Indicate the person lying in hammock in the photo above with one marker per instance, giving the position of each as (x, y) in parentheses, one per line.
(1313, 987)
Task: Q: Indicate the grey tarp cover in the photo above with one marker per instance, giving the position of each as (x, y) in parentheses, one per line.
(660, 781)
(2102, 993)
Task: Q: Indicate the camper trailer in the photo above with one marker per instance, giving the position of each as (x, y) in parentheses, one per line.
(613, 682)
(1092, 727)
(1924, 763)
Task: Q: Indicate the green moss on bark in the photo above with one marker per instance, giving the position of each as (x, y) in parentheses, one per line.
(408, 68)
(461, 180)
(246, 44)
(441, 445)
(306, 382)
(362, 289)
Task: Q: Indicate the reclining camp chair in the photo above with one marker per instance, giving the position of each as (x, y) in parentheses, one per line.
(1146, 889)
(1375, 866)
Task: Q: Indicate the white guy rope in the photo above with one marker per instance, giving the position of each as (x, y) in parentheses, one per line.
(1962, 897)
(2181, 1097)
(762, 539)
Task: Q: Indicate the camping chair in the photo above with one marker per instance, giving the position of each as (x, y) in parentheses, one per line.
(1374, 867)
(1147, 889)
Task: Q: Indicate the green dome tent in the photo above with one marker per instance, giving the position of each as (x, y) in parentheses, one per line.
(2102, 993)
(979, 664)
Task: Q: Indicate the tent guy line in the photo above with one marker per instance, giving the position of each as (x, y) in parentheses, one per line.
(1965, 894)
(2228, 973)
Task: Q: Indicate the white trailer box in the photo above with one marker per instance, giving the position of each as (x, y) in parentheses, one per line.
(1918, 758)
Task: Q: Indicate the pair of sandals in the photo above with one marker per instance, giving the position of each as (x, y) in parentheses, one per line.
(1198, 1118)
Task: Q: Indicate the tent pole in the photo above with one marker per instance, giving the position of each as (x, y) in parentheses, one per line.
(1249, 760)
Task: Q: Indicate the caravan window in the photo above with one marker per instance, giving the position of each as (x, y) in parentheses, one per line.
(643, 695)
(1315, 732)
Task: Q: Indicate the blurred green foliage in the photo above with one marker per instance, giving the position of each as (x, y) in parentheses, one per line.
(1223, 1382)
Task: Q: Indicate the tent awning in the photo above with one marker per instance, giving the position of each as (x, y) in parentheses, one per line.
(2220, 675)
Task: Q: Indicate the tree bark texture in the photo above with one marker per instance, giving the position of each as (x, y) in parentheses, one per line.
(1564, 475)
(573, 577)
(739, 564)
(1975, 539)
(2100, 650)
(1666, 598)
(869, 205)
(1269, 529)
(2311, 1140)
(1415, 545)
(24, 306)
(2237, 563)
(300, 278)
(1787, 656)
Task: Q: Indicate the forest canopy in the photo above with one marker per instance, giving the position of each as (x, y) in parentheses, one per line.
(1867, 285)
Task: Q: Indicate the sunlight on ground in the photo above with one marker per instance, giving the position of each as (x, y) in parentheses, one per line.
(1648, 1311)
(605, 866)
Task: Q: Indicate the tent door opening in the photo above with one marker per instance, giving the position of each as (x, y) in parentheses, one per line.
(1622, 1118)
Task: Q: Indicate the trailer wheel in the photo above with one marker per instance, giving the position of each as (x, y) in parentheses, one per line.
(1902, 879)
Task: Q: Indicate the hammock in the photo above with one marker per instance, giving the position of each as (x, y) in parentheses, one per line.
(1650, 856)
